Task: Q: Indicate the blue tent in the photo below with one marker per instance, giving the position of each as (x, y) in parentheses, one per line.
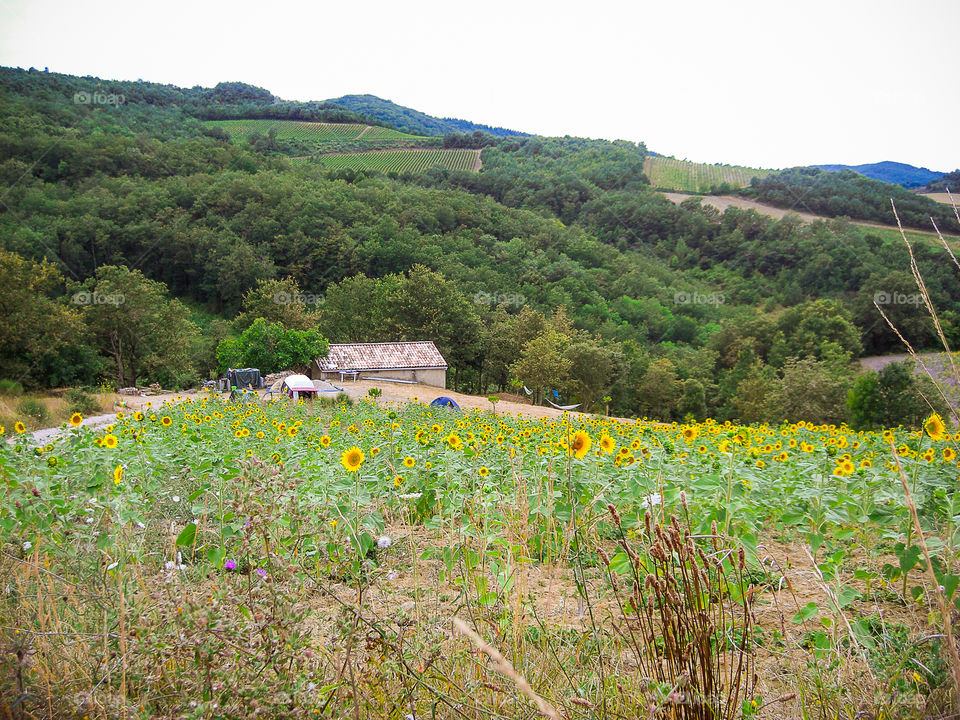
(445, 402)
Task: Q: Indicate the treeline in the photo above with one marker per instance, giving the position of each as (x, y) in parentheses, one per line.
(414, 121)
(849, 194)
(949, 182)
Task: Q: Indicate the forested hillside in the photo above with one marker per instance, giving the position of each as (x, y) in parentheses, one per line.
(414, 121)
(908, 176)
(846, 193)
(556, 265)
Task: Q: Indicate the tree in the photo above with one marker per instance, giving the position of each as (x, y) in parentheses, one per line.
(354, 309)
(809, 326)
(279, 301)
(594, 369)
(136, 325)
(425, 306)
(270, 347)
(750, 402)
(544, 364)
(693, 400)
(894, 396)
(810, 390)
(43, 340)
(658, 390)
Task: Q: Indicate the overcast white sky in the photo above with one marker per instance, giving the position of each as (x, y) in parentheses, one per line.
(765, 83)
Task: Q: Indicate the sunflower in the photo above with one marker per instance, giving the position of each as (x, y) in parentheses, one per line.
(935, 427)
(579, 444)
(454, 441)
(325, 441)
(117, 474)
(352, 459)
(138, 416)
(165, 421)
(409, 462)
(690, 433)
(110, 441)
(293, 430)
(483, 471)
(19, 427)
(76, 419)
(398, 480)
(260, 435)
(238, 433)
(949, 454)
(607, 443)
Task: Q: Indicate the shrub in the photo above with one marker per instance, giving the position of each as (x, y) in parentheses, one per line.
(80, 402)
(10, 387)
(34, 410)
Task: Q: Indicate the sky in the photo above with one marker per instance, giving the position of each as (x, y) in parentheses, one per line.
(765, 84)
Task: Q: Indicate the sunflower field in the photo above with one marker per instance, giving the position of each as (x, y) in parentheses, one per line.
(203, 558)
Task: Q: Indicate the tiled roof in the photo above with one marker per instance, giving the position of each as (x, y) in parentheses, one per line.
(382, 356)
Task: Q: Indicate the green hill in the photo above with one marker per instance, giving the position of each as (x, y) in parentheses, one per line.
(415, 121)
(560, 238)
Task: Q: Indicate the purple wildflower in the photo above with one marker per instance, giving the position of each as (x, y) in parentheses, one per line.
(230, 565)
(261, 572)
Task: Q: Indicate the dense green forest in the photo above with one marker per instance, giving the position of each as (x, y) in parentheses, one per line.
(950, 181)
(140, 244)
(414, 121)
(849, 194)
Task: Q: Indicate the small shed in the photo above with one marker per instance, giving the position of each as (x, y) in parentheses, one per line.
(415, 362)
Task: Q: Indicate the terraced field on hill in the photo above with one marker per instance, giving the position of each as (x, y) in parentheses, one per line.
(316, 133)
(684, 176)
(402, 160)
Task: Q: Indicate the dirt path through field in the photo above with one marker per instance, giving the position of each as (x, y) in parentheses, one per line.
(478, 163)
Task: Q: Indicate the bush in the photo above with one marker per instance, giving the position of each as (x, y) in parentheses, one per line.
(80, 402)
(10, 387)
(34, 410)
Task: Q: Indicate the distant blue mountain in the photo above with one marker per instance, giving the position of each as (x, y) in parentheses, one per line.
(908, 176)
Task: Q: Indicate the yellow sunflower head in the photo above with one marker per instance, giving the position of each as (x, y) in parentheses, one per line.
(579, 444)
(117, 474)
(607, 443)
(409, 462)
(165, 421)
(352, 459)
(110, 441)
(76, 419)
(19, 428)
(935, 427)
(325, 441)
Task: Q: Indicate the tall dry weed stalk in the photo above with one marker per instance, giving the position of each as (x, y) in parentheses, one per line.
(687, 616)
(940, 601)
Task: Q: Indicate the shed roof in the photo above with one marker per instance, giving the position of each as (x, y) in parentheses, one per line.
(383, 356)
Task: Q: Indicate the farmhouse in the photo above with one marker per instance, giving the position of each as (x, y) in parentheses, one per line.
(418, 362)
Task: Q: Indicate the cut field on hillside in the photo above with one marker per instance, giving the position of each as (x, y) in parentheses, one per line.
(943, 197)
(684, 176)
(403, 160)
(311, 132)
(723, 202)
